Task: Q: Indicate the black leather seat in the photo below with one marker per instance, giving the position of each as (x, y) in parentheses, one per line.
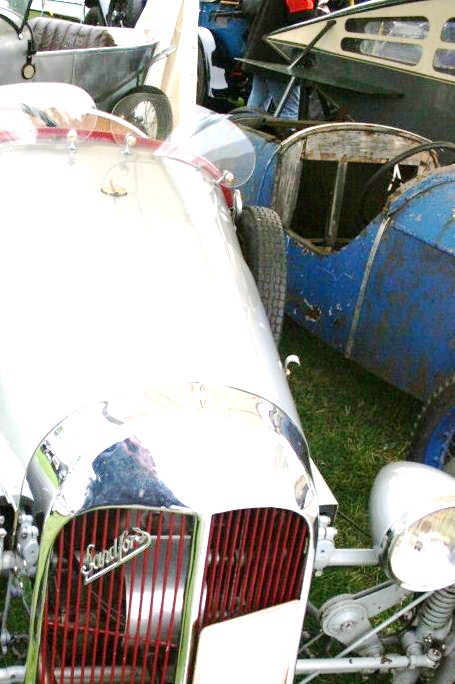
(58, 34)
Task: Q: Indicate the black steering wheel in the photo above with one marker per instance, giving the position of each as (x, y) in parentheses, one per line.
(388, 166)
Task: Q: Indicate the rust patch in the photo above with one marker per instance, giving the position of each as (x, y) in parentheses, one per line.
(311, 313)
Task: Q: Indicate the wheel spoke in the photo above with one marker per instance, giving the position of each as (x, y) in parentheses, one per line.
(147, 108)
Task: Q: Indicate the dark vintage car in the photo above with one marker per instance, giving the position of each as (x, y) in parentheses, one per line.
(389, 62)
(161, 517)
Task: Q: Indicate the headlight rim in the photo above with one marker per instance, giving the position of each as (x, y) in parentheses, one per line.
(399, 527)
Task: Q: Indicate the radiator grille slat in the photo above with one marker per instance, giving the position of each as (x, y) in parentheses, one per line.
(124, 625)
(256, 559)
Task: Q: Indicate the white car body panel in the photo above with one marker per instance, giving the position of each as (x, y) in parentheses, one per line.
(69, 320)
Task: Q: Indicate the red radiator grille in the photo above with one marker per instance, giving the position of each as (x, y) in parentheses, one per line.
(123, 626)
(256, 560)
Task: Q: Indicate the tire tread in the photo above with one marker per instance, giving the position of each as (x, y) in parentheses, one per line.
(437, 405)
(261, 236)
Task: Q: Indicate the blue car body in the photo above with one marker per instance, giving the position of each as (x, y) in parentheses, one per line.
(385, 297)
(228, 25)
(389, 307)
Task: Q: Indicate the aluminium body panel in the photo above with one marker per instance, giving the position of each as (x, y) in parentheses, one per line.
(123, 378)
(117, 291)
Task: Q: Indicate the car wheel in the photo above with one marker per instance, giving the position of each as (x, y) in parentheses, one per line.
(261, 238)
(202, 84)
(149, 109)
(433, 441)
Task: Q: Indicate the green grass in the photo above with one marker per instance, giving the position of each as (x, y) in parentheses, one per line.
(354, 423)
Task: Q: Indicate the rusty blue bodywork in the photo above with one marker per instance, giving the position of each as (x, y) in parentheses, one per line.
(386, 299)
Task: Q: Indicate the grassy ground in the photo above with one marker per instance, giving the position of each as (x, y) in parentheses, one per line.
(355, 423)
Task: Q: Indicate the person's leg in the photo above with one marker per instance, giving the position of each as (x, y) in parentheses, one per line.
(259, 97)
(291, 106)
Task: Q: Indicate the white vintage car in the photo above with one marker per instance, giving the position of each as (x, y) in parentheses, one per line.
(171, 519)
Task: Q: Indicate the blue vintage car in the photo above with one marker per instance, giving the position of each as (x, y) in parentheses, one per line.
(369, 218)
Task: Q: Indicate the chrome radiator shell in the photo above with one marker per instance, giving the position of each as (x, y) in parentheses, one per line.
(188, 450)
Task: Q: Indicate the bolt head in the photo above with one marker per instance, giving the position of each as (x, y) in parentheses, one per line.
(71, 135)
(434, 654)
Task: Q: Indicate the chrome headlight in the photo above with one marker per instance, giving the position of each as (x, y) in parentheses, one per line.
(412, 513)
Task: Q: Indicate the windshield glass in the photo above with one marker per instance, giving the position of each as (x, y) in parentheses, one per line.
(10, 8)
(202, 138)
(216, 138)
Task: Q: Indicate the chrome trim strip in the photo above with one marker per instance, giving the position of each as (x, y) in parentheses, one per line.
(194, 592)
(366, 276)
(48, 536)
(119, 452)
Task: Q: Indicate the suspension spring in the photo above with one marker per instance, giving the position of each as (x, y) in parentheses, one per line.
(438, 609)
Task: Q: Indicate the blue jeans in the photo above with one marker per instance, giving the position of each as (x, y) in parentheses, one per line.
(269, 91)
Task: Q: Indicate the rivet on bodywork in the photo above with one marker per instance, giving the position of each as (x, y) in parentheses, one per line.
(130, 142)
(72, 136)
